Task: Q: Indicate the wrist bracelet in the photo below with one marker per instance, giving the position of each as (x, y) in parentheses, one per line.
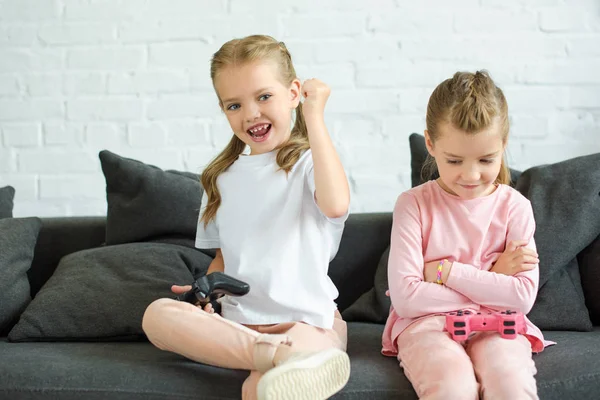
(439, 272)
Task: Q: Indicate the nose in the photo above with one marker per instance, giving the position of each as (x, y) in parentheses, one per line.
(471, 174)
(252, 112)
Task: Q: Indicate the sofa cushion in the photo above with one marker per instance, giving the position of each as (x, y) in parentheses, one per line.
(589, 266)
(17, 243)
(102, 293)
(141, 371)
(569, 370)
(7, 195)
(138, 370)
(147, 203)
(109, 371)
(60, 236)
(566, 206)
(373, 305)
(372, 375)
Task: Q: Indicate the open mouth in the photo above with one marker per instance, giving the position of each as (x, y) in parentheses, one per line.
(259, 132)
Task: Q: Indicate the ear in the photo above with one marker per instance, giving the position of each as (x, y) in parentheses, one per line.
(428, 143)
(295, 87)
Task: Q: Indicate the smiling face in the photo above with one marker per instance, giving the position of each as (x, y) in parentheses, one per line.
(258, 106)
(468, 164)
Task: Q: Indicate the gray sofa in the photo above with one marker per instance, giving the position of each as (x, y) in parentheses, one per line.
(134, 369)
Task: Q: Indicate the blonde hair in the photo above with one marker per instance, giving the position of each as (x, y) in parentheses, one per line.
(237, 52)
(470, 102)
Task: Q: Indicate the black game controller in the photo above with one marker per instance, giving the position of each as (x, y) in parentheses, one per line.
(209, 288)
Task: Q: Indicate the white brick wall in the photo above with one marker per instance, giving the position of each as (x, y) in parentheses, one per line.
(131, 76)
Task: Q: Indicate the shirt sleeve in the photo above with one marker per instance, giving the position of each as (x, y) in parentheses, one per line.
(498, 291)
(310, 181)
(411, 296)
(207, 237)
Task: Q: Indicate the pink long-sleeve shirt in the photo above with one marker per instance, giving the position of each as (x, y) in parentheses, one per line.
(431, 225)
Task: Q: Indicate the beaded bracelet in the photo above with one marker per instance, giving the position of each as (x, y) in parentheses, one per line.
(439, 272)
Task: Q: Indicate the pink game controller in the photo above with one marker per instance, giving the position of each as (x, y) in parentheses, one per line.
(508, 323)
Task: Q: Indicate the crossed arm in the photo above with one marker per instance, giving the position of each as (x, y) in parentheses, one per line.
(511, 284)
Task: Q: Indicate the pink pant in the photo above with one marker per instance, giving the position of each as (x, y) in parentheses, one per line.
(488, 366)
(210, 339)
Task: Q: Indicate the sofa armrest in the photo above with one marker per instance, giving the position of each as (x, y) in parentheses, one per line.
(61, 236)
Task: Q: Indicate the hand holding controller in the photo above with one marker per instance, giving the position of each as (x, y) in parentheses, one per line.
(508, 323)
(209, 288)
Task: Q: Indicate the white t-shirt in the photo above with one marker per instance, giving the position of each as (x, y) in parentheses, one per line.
(274, 237)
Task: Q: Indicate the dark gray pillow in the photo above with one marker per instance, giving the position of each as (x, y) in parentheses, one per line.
(418, 155)
(373, 305)
(18, 237)
(7, 195)
(146, 203)
(566, 206)
(589, 266)
(101, 294)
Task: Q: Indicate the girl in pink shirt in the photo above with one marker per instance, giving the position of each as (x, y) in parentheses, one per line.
(480, 230)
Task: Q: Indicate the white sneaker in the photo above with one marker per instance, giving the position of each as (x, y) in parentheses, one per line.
(306, 376)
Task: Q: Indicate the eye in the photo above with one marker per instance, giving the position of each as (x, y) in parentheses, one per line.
(264, 97)
(233, 107)
(486, 161)
(453, 162)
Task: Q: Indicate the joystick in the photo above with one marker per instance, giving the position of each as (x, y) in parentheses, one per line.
(462, 322)
(209, 288)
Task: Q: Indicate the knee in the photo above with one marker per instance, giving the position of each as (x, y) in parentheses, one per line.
(509, 390)
(458, 385)
(449, 376)
(450, 387)
(154, 315)
(459, 391)
(509, 386)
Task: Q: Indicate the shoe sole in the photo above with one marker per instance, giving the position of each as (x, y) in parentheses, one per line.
(316, 377)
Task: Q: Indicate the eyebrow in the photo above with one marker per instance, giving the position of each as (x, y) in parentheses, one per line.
(484, 156)
(265, 89)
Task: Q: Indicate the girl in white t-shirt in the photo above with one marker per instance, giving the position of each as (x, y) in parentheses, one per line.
(276, 217)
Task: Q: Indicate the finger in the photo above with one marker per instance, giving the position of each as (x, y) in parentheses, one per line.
(180, 289)
(307, 86)
(514, 244)
(527, 251)
(176, 289)
(521, 267)
(527, 267)
(209, 309)
(528, 260)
